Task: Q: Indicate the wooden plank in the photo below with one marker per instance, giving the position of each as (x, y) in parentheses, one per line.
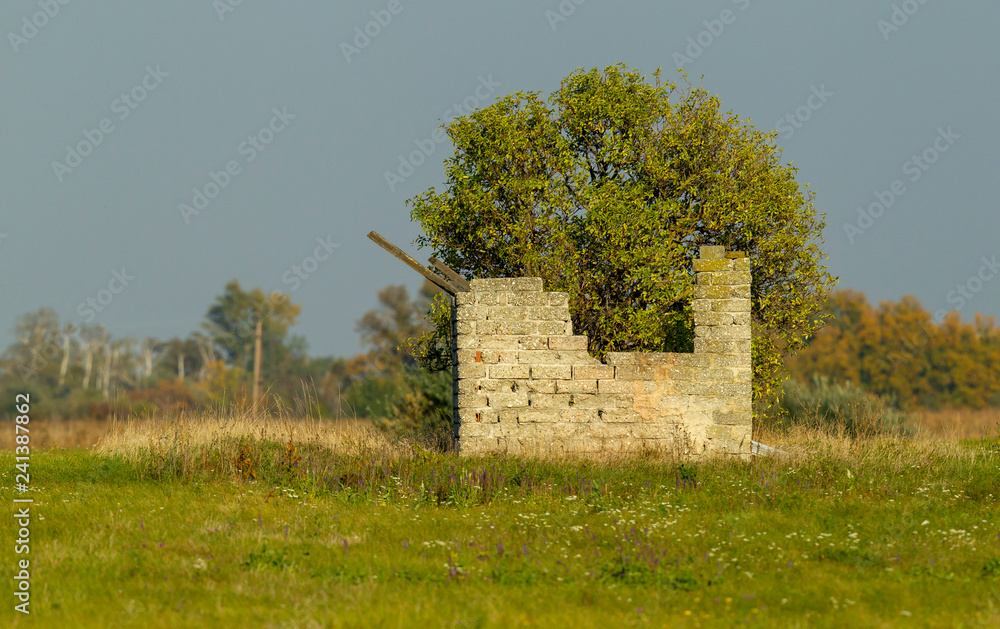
(439, 281)
(457, 279)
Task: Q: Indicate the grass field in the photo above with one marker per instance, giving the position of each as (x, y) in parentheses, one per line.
(218, 523)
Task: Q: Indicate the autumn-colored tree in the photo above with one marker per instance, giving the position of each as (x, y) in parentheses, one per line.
(897, 351)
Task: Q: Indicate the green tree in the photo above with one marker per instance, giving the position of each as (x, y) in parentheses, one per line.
(607, 191)
(232, 322)
(393, 389)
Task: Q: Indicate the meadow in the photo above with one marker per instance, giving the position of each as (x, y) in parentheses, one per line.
(220, 521)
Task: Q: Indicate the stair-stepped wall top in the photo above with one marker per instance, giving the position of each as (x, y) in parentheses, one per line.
(525, 384)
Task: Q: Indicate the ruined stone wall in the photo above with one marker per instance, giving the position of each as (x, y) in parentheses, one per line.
(525, 384)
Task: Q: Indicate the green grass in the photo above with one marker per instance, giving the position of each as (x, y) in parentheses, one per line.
(851, 534)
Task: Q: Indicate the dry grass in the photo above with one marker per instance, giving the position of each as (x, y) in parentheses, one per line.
(69, 433)
(800, 445)
(959, 423)
(244, 445)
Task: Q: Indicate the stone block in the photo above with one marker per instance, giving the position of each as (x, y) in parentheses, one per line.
(541, 386)
(548, 313)
(478, 415)
(470, 313)
(731, 418)
(716, 346)
(487, 356)
(642, 358)
(551, 357)
(615, 386)
(568, 343)
(466, 387)
(593, 372)
(579, 415)
(732, 434)
(713, 318)
(547, 400)
(693, 360)
(558, 299)
(711, 265)
(489, 385)
(742, 361)
(509, 371)
(525, 299)
(507, 356)
(508, 328)
(471, 370)
(472, 401)
(619, 416)
(507, 284)
(721, 292)
(533, 342)
(723, 332)
(742, 375)
(622, 358)
(733, 278)
(508, 400)
(504, 313)
(638, 372)
(576, 386)
(499, 298)
(532, 416)
(551, 372)
(552, 328)
(730, 305)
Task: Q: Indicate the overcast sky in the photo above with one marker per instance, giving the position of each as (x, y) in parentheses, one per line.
(113, 115)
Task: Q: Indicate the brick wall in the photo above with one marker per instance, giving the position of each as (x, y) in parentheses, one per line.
(525, 384)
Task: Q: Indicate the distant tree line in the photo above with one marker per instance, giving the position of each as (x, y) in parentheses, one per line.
(84, 371)
(897, 351)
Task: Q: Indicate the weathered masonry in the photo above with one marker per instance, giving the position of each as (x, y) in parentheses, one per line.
(525, 384)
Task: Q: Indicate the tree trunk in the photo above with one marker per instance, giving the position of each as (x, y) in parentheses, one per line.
(257, 379)
(106, 372)
(88, 365)
(64, 366)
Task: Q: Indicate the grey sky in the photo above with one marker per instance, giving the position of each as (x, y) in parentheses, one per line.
(886, 94)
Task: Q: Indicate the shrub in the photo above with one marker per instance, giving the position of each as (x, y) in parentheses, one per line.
(835, 407)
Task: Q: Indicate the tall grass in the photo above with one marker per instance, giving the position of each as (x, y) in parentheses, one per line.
(235, 519)
(839, 407)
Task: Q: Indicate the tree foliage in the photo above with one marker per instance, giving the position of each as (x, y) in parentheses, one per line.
(606, 192)
(393, 390)
(232, 322)
(897, 351)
